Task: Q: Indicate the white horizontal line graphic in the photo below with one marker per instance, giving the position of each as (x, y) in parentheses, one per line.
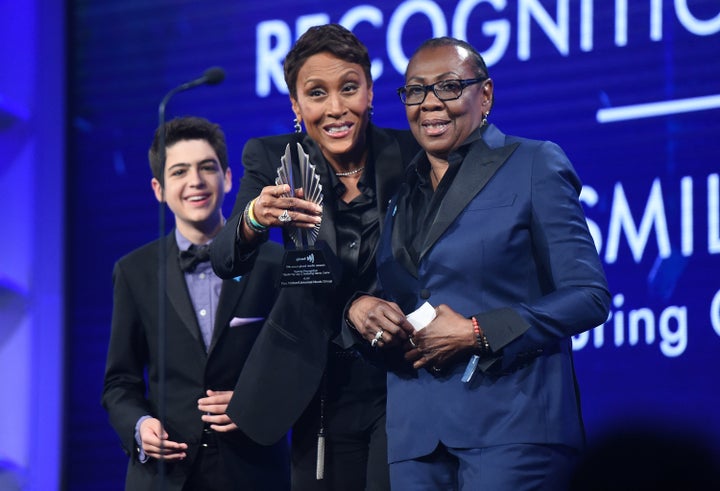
(663, 108)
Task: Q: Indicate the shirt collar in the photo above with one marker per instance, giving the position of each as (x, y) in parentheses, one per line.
(183, 242)
(455, 158)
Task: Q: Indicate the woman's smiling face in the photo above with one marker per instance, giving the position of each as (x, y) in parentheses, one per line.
(442, 126)
(333, 101)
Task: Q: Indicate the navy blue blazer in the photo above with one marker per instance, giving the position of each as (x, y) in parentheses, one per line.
(511, 246)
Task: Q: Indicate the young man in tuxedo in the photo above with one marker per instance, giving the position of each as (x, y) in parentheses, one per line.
(210, 326)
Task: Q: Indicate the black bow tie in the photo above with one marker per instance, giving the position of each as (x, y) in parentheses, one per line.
(195, 255)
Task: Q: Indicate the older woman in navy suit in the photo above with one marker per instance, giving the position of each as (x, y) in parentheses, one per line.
(487, 230)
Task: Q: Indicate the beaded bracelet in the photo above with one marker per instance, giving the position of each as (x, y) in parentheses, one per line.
(249, 216)
(482, 341)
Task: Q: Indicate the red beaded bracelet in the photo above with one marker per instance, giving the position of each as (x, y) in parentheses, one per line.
(476, 326)
(482, 341)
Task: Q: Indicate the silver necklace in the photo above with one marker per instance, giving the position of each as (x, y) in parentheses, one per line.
(350, 172)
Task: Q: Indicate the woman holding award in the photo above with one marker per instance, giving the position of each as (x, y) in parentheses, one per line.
(304, 372)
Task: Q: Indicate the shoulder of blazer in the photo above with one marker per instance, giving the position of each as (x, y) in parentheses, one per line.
(272, 140)
(405, 141)
(273, 147)
(495, 138)
(408, 146)
(143, 255)
(267, 148)
(392, 150)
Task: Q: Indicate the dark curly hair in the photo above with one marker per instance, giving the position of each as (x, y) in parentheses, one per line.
(328, 38)
(187, 128)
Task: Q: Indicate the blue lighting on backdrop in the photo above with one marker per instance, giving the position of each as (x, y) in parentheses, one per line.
(630, 90)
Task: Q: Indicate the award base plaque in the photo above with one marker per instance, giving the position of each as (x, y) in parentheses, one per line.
(310, 267)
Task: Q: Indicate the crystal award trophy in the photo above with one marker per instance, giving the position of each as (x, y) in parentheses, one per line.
(311, 262)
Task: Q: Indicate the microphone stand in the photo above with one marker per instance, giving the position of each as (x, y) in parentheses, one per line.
(212, 76)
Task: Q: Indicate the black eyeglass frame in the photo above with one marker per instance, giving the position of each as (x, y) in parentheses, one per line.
(402, 91)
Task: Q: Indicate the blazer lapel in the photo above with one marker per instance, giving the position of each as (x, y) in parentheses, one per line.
(480, 164)
(230, 294)
(389, 171)
(177, 291)
(389, 168)
(399, 251)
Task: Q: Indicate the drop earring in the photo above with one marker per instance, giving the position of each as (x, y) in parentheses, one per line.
(296, 125)
(485, 118)
(371, 111)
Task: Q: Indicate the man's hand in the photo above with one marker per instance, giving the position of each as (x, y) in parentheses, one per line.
(214, 406)
(155, 442)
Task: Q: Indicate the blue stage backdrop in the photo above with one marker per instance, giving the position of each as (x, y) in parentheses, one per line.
(630, 90)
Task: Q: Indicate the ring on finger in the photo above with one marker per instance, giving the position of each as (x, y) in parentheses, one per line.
(412, 342)
(377, 338)
(285, 217)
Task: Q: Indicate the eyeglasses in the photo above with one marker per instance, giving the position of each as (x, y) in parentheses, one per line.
(445, 90)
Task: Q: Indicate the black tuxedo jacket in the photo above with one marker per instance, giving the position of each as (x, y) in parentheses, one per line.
(285, 367)
(190, 370)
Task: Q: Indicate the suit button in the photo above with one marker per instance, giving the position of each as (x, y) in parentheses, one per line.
(424, 293)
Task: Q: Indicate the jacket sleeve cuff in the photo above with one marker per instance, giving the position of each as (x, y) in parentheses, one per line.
(141, 455)
(501, 327)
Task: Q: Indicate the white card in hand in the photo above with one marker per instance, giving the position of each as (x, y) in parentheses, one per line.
(422, 316)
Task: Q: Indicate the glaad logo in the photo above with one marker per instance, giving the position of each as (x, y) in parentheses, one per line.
(310, 258)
